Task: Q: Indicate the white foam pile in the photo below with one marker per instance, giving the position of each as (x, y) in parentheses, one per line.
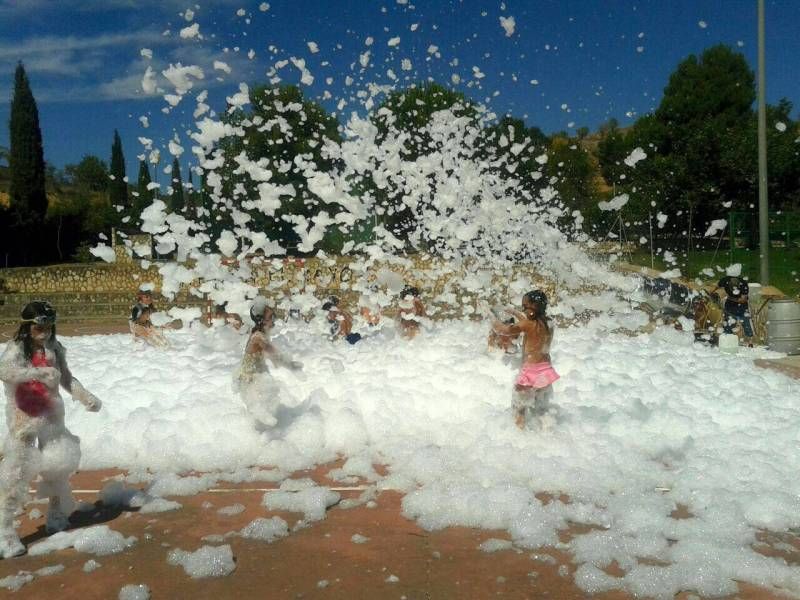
(134, 592)
(16, 582)
(207, 561)
(265, 530)
(301, 495)
(97, 539)
(644, 424)
(233, 509)
(115, 493)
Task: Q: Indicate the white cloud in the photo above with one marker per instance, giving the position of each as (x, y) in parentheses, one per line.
(42, 45)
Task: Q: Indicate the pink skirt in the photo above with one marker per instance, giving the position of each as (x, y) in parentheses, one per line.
(537, 375)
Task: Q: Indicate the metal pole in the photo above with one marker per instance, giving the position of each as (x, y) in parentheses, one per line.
(652, 260)
(763, 206)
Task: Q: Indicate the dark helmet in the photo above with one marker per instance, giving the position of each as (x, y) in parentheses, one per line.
(35, 313)
(39, 312)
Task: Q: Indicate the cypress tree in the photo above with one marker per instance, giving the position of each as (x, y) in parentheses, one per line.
(176, 199)
(191, 195)
(145, 197)
(28, 198)
(118, 190)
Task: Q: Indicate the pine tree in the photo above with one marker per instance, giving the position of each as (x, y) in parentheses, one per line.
(28, 199)
(176, 201)
(118, 190)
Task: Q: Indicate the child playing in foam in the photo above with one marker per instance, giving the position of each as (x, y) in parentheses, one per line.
(341, 322)
(32, 367)
(141, 326)
(258, 390)
(412, 310)
(533, 387)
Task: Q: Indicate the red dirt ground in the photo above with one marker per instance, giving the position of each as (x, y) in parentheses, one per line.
(428, 565)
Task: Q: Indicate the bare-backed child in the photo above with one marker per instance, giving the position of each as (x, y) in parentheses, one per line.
(258, 390)
(141, 326)
(341, 321)
(533, 387)
(411, 311)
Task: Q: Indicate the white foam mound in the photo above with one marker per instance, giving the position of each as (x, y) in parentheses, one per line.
(640, 429)
(207, 561)
(16, 582)
(301, 496)
(134, 592)
(265, 530)
(97, 539)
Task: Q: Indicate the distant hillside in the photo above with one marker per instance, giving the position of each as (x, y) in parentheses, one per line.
(56, 193)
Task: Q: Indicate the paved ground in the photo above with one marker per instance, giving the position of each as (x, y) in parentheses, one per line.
(320, 561)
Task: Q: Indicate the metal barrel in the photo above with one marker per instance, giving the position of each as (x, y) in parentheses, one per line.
(783, 328)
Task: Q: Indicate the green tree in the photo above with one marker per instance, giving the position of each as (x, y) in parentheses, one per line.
(118, 189)
(406, 115)
(28, 198)
(572, 171)
(89, 174)
(739, 159)
(611, 152)
(176, 198)
(707, 101)
(410, 111)
(283, 132)
(512, 149)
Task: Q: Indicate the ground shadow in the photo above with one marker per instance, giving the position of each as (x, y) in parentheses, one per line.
(100, 513)
(287, 415)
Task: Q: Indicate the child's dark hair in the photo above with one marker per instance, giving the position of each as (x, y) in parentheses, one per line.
(410, 290)
(331, 302)
(539, 299)
(33, 310)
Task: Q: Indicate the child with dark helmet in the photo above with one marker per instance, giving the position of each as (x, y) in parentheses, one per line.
(32, 368)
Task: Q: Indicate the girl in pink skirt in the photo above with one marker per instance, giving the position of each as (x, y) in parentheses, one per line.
(533, 387)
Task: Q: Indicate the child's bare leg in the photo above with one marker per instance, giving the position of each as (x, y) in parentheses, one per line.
(522, 400)
(19, 465)
(61, 454)
(542, 408)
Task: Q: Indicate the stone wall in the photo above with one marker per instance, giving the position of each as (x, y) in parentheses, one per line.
(107, 290)
(76, 278)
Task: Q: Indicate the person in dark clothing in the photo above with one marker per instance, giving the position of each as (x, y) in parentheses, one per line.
(736, 308)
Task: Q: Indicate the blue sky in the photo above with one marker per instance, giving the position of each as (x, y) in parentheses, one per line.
(590, 60)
